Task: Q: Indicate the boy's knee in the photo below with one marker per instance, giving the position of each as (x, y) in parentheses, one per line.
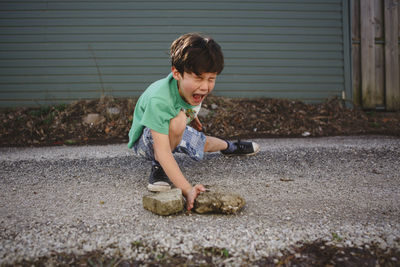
(178, 124)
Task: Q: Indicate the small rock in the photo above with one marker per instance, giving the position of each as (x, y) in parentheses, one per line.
(203, 112)
(93, 119)
(214, 106)
(218, 202)
(113, 112)
(164, 203)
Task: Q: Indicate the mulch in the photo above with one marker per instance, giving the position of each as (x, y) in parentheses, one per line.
(228, 118)
(318, 253)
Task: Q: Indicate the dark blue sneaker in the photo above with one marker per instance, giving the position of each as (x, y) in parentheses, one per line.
(158, 180)
(241, 148)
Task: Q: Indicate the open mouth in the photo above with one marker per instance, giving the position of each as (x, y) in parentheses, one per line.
(198, 98)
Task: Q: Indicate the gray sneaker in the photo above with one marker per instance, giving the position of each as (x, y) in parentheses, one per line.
(158, 180)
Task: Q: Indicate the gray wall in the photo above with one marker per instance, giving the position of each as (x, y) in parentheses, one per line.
(58, 51)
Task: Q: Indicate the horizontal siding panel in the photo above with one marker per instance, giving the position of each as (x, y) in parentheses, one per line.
(139, 85)
(241, 70)
(285, 78)
(159, 38)
(171, 5)
(72, 79)
(89, 53)
(132, 86)
(287, 88)
(304, 63)
(160, 54)
(129, 46)
(97, 94)
(78, 14)
(131, 78)
(178, 1)
(112, 31)
(308, 86)
(55, 51)
(83, 94)
(314, 97)
(80, 71)
(282, 55)
(170, 21)
(89, 62)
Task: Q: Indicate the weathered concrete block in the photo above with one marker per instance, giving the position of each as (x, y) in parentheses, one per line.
(164, 203)
(218, 202)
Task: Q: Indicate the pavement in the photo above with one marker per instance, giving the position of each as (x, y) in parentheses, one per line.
(344, 190)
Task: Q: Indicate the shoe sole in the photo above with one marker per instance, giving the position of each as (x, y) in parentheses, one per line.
(158, 188)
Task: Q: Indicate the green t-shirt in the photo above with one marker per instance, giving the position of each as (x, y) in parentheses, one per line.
(158, 104)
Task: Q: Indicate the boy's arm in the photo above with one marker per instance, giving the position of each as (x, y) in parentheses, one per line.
(196, 124)
(163, 154)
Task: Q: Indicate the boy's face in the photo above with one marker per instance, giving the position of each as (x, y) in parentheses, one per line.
(194, 88)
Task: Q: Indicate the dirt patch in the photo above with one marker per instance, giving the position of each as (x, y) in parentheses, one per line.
(222, 117)
(312, 254)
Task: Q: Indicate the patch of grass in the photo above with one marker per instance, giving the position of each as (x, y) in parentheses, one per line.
(137, 244)
(336, 237)
(61, 107)
(49, 119)
(219, 252)
(225, 253)
(160, 256)
(375, 124)
(42, 111)
(70, 142)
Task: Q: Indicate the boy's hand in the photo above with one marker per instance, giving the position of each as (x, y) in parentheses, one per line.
(196, 124)
(192, 194)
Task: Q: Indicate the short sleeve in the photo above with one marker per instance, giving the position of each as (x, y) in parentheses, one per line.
(157, 115)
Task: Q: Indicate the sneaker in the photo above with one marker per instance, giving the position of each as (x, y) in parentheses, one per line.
(158, 180)
(241, 148)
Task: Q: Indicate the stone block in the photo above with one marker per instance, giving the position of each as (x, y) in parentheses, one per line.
(93, 119)
(218, 202)
(164, 203)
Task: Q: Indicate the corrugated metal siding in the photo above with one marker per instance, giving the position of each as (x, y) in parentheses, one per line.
(58, 51)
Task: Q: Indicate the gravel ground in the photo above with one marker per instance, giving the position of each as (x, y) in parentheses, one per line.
(342, 190)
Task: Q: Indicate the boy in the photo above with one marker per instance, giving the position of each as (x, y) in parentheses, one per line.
(167, 106)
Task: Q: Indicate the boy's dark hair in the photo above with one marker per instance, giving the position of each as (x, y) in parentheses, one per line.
(196, 53)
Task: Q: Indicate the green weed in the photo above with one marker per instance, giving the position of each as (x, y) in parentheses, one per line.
(336, 237)
(375, 124)
(61, 107)
(137, 244)
(42, 111)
